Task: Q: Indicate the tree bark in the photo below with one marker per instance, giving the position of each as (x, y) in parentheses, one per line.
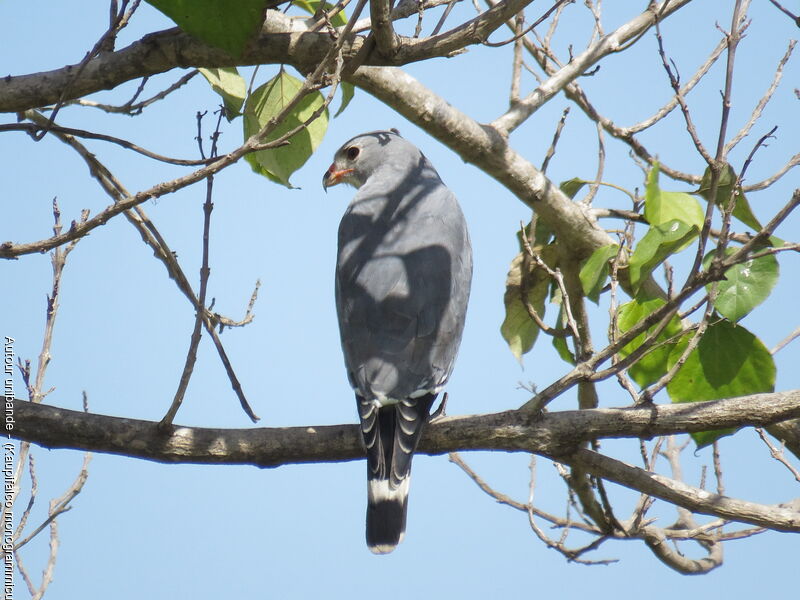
(551, 434)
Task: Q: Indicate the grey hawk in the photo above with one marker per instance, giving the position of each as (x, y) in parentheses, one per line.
(403, 276)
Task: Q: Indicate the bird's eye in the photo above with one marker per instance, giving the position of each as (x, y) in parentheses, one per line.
(352, 152)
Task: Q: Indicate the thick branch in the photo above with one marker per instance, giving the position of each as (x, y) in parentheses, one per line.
(484, 147)
(695, 499)
(158, 53)
(283, 40)
(553, 434)
(385, 37)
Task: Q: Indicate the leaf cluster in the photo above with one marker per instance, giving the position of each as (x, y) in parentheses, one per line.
(715, 358)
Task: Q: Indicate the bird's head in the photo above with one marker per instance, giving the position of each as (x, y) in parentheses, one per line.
(361, 156)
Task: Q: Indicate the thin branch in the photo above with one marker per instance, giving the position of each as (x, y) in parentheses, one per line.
(551, 150)
(61, 505)
(575, 93)
(520, 34)
(790, 164)
(572, 554)
(386, 39)
(205, 271)
(650, 392)
(786, 341)
(558, 278)
(248, 315)
(33, 128)
(10, 250)
(129, 108)
(689, 497)
(762, 236)
(656, 541)
(152, 237)
(601, 162)
(787, 12)
(23, 521)
(777, 454)
(673, 102)
(733, 37)
(117, 23)
(762, 103)
(608, 44)
(674, 80)
(516, 63)
(443, 18)
(404, 8)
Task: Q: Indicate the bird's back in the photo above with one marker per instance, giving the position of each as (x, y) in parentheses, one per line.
(402, 284)
(403, 275)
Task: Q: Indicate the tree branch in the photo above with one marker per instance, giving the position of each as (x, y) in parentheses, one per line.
(695, 499)
(552, 434)
(606, 45)
(484, 147)
(283, 40)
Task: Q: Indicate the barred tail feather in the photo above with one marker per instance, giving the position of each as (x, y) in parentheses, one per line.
(386, 515)
(391, 434)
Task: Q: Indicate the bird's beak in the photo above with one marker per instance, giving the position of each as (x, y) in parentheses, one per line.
(333, 176)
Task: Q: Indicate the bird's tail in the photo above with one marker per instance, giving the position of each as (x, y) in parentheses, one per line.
(391, 434)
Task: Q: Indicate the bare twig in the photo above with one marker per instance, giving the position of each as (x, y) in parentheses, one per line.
(517, 114)
(205, 271)
(777, 454)
(516, 64)
(443, 18)
(556, 276)
(33, 128)
(151, 236)
(117, 23)
(129, 108)
(759, 109)
(456, 459)
(786, 341)
(601, 161)
(248, 315)
(551, 150)
(558, 4)
(674, 80)
(787, 12)
(58, 260)
(62, 504)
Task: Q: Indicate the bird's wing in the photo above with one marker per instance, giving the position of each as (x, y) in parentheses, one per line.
(402, 284)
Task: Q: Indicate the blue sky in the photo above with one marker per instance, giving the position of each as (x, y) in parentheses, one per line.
(179, 531)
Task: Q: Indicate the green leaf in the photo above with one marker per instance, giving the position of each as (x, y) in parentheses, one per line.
(518, 329)
(229, 84)
(729, 361)
(560, 343)
(221, 23)
(661, 207)
(541, 235)
(311, 7)
(572, 186)
(727, 179)
(338, 20)
(658, 243)
(595, 270)
(746, 285)
(268, 101)
(348, 91)
(653, 365)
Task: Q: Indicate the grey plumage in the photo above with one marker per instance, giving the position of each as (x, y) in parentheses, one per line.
(403, 275)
